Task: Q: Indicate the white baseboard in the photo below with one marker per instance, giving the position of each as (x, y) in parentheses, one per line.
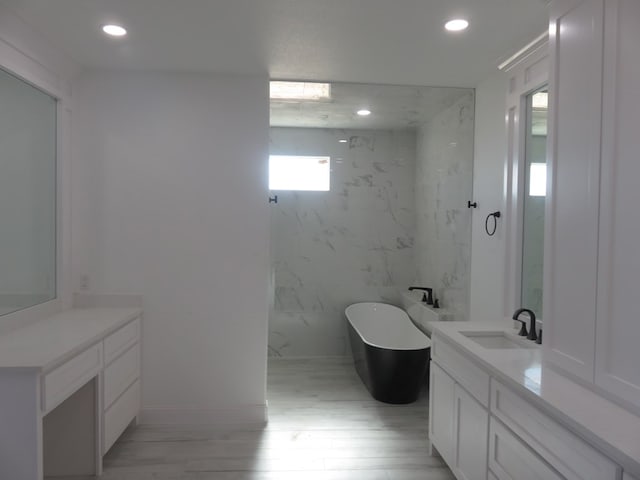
(245, 415)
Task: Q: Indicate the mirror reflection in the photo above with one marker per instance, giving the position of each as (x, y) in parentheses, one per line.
(535, 181)
(27, 195)
(400, 162)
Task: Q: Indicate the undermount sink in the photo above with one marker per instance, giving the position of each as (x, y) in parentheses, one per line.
(498, 340)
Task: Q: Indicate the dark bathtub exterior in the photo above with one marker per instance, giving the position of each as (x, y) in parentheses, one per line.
(391, 376)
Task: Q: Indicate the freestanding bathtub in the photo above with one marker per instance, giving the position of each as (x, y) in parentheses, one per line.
(390, 354)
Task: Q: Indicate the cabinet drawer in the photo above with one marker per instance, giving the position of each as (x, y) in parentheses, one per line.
(70, 376)
(120, 414)
(511, 459)
(463, 370)
(120, 340)
(571, 456)
(120, 374)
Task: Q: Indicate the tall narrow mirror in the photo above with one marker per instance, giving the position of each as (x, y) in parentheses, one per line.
(535, 184)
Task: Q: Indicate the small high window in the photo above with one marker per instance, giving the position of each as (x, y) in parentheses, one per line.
(294, 172)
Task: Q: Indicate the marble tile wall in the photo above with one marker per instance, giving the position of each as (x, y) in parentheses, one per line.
(444, 176)
(351, 244)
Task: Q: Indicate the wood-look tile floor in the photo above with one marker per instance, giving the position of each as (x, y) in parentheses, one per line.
(322, 425)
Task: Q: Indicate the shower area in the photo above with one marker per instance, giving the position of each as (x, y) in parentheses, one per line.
(395, 213)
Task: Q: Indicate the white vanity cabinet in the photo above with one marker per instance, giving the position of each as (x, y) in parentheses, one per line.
(511, 459)
(549, 442)
(471, 426)
(70, 385)
(506, 438)
(441, 412)
(617, 327)
(458, 422)
(592, 267)
(121, 382)
(571, 218)
(459, 426)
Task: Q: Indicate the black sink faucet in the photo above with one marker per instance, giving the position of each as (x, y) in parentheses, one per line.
(428, 296)
(532, 325)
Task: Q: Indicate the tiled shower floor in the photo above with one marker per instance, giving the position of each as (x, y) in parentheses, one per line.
(322, 425)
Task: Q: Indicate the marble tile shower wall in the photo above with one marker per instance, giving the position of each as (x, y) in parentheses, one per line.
(353, 243)
(444, 183)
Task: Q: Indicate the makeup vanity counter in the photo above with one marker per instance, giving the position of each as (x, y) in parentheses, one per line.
(70, 385)
(505, 412)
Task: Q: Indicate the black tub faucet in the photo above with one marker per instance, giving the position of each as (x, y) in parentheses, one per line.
(428, 296)
(532, 323)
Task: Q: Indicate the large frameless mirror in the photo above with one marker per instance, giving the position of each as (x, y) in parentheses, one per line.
(535, 185)
(375, 199)
(27, 195)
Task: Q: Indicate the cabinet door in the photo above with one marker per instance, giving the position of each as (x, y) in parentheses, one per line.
(512, 459)
(471, 437)
(571, 218)
(441, 412)
(618, 329)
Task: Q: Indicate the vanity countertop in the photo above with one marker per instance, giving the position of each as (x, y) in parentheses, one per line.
(607, 426)
(44, 344)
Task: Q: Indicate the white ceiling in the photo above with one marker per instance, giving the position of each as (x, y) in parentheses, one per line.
(372, 41)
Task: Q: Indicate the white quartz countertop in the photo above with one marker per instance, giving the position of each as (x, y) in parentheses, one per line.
(605, 425)
(44, 344)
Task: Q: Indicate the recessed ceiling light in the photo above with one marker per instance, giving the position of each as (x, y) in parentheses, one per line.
(363, 112)
(299, 90)
(343, 140)
(456, 25)
(114, 30)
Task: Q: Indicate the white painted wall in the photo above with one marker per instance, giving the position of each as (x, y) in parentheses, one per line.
(487, 253)
(170, 201)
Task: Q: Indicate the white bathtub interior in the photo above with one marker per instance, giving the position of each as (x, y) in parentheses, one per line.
(385, 326)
